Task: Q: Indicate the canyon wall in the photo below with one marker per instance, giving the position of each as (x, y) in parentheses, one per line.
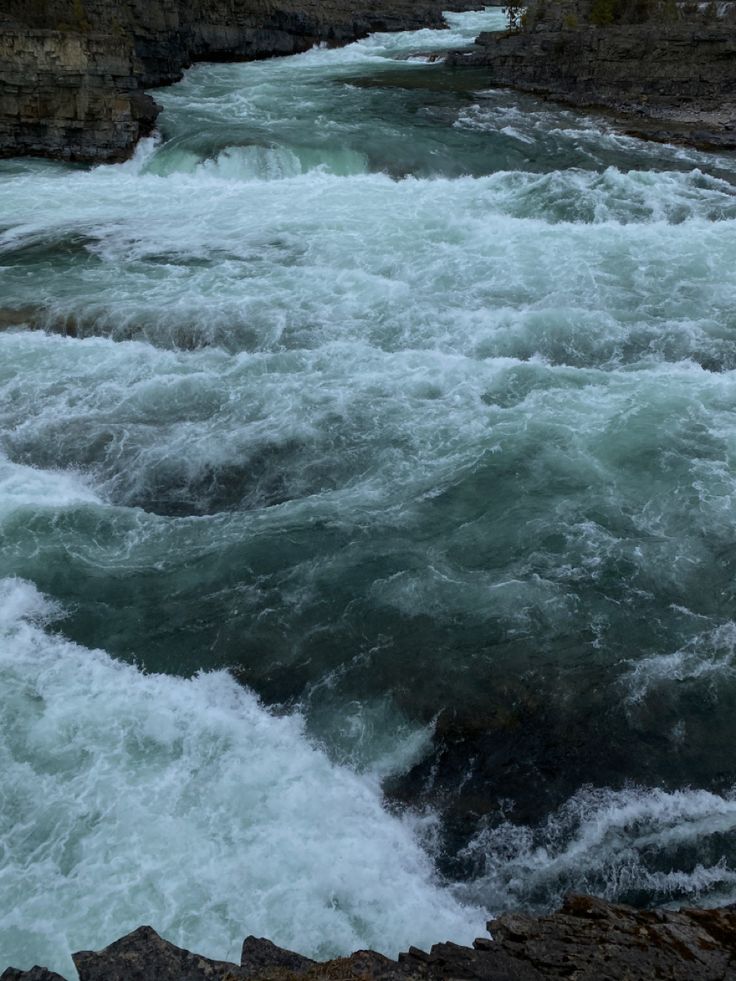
(73, 72)
(674, 77)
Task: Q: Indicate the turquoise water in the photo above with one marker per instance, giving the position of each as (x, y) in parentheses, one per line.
(405, 406)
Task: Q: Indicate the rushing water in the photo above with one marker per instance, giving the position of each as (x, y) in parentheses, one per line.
(411, 404)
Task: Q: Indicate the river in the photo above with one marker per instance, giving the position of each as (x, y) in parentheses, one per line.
(367, 515)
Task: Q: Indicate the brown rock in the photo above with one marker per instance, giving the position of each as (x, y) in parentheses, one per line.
(144, 956)
(587, 940)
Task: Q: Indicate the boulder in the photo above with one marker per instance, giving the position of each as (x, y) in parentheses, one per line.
(145, 956)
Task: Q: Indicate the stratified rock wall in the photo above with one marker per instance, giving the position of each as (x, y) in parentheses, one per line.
(684, 72)
(72, 72)
(70, 95)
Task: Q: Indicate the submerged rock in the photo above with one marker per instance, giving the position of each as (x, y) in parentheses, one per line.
(587, 940)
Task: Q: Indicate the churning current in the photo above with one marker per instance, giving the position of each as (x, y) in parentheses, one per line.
(367, 515)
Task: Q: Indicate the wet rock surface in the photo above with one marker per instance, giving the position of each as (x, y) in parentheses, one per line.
(668, 82)
(73, 72)
(587, 940)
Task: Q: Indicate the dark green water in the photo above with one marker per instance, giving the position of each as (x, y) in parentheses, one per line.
(410, 403)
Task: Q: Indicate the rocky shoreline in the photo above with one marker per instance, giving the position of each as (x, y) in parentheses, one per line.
(668, 81)
(586, 940)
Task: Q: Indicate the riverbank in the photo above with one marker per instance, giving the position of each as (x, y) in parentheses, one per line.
(586, 939)
(75, 76)
(667, 82)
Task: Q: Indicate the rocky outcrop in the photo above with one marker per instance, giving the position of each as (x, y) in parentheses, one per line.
(144, 955)
(35, 974)
(73, 72)
(587, 940)
(673, 81)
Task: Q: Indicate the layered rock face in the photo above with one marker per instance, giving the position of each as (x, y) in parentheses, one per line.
(70, 95)
(678, 77)
(587, 940)
(72, 72)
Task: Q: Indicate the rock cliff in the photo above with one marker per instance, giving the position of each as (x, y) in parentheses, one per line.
(587, 940)
(73, 72)
(672, 78)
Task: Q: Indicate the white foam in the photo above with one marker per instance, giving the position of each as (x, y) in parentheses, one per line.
(131, 798)
(267, 259)
(23, 487)
(462, 29)
(391, 338)
(612, 844)
(708, 655)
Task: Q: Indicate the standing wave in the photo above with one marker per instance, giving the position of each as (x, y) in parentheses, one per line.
(131, 797)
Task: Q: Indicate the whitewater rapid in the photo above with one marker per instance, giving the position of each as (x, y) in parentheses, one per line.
(129, 796)
(363, 399)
